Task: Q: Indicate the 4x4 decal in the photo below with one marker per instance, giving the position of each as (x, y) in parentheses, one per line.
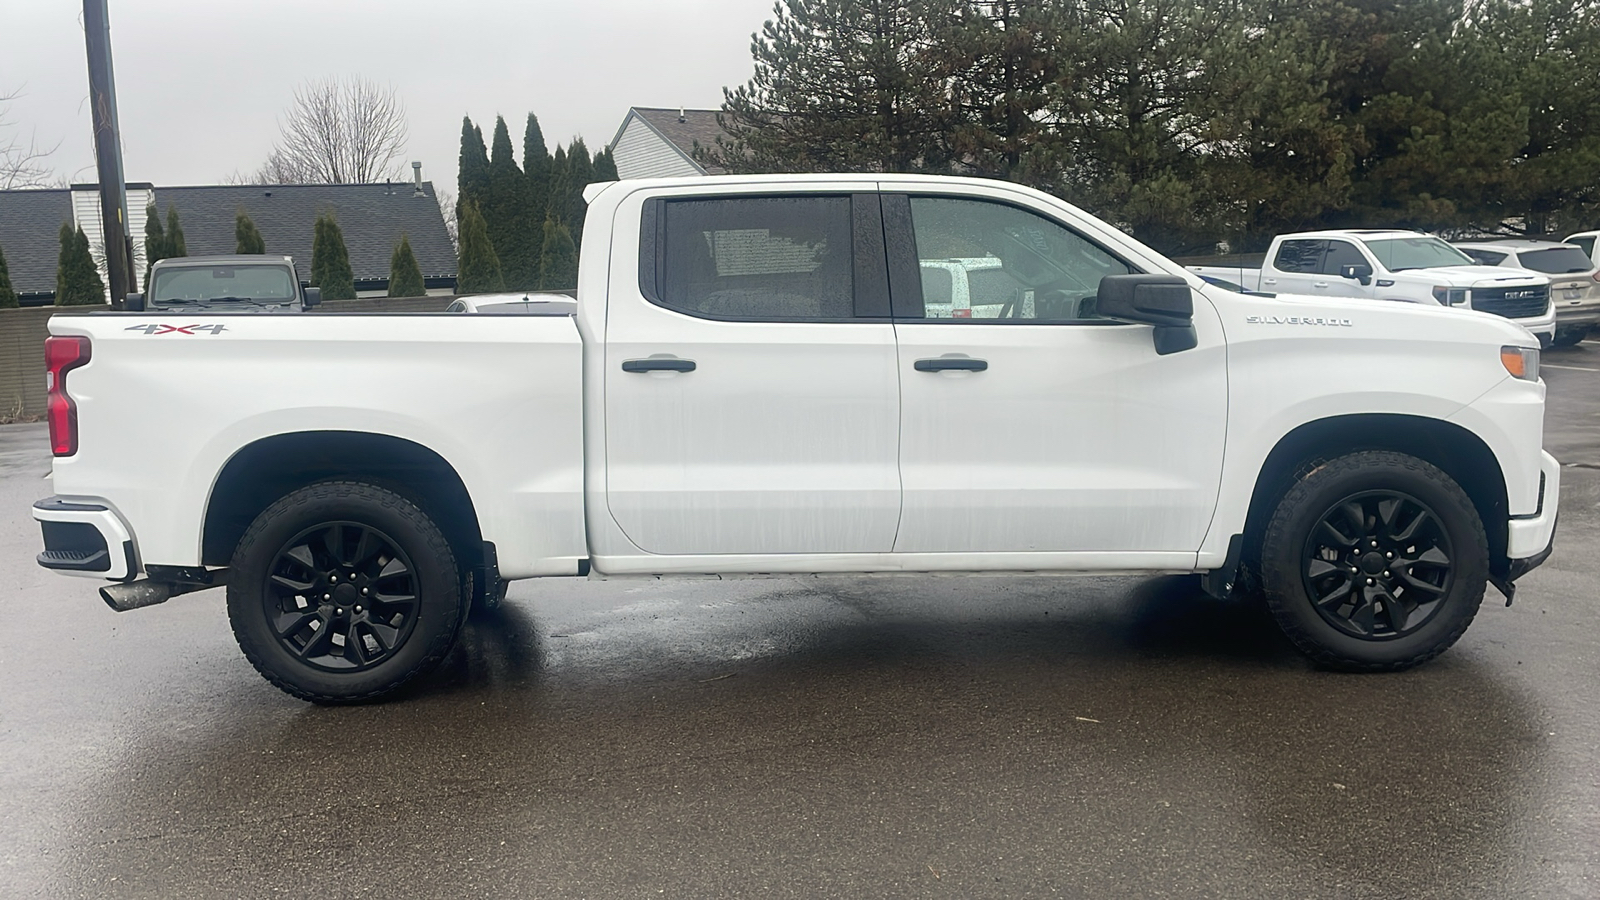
(177, 329)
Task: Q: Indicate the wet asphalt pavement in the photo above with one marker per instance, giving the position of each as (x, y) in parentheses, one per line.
(900, 737)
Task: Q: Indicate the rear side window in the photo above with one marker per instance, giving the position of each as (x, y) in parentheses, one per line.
(1299, 256)
(1556, 260)
(1483, 257)
(1587, 243)
(780, 258)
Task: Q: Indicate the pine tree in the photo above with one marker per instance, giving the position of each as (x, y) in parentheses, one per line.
(560, 256)
(536, 165)
(478, 269)
(472, 181)
(605, 166)
(245, 234)
(330, 261)
(78, 280)
(556, 195)
(175, 242)
(8, 297)
(155, 241)
(580, 172)
(405, 276)
(504, 211)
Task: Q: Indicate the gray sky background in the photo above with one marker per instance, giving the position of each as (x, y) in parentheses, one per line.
(201, 83)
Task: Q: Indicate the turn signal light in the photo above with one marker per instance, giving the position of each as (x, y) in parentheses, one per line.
(62, 355)
(1521, 362)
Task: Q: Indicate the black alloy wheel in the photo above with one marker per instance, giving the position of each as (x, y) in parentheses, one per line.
(1378, 565)
(341, 596)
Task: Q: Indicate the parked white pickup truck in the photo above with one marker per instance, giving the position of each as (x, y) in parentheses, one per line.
(1395, 265)
(753, 384)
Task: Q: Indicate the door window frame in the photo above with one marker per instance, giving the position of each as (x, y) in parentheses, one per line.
(905, 265)
(869, 267)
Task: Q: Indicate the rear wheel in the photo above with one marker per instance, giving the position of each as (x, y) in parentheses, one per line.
(1569, 337)
(1374, 561)
(344, 592)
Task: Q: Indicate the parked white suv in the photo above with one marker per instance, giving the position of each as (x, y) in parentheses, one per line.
(1574, 279)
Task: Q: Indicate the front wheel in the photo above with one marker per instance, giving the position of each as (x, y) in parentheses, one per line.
(1374, 561)
(343, 592)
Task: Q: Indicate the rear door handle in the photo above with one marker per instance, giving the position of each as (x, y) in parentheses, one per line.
(658, 364)
(950, 364)
(1319, 284)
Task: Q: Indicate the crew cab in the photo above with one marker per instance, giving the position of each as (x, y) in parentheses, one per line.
(758, 381)
(1386, 264)
(246, 282)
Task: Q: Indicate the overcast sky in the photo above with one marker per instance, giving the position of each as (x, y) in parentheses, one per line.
(201, 83)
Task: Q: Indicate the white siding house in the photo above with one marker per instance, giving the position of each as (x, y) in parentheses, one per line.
(660, 143)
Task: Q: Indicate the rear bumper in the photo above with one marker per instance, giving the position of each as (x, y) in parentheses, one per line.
(1529, 538)
(85, 539)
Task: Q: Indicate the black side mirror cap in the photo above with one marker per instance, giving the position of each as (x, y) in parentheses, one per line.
(313, 297)
(133, 303)
(1360, 272)
(1163, 300)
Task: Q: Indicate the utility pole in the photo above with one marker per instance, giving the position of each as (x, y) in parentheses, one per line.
(108, 152)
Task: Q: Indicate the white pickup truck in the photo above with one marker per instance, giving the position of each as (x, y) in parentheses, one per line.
(1384, 264)
(755, 383)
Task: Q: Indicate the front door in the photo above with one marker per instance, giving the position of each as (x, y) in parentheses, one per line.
(1032, 425)
(751, 394)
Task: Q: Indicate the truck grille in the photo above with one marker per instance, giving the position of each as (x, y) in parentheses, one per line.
(1513, 303)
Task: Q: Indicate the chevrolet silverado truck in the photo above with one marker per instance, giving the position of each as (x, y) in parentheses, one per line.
(1406, 266)
(755, 382)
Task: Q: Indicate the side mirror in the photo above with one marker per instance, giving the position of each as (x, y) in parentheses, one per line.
(1360, 272)
(133, 303)
(313, 297)
(1164, 301)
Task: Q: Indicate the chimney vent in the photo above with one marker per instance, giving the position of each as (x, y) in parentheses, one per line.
(681, 116)
(416, 170)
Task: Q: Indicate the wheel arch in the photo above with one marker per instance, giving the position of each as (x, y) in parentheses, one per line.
(266, 469)
(1455, 450)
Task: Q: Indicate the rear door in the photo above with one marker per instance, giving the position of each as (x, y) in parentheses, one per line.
(752, 397)
(1034, 425)
(1295, 267)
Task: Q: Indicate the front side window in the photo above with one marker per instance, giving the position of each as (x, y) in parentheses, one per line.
(989, 261)
(270, 283)
(1341, 254)
(1400, 254)
(1483, 257)
(778, 258)
(1299, 256)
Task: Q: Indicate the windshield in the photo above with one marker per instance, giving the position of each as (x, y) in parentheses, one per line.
(1400, 254)
(1556, 260)
(270, 283)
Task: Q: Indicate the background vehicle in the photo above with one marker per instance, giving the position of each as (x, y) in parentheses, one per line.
(1585, 240)
(1574, 278)
(532, 304)
(1395, 265)
(755, 383)
(254, 282)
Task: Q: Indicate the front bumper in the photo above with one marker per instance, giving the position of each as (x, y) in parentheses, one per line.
(1531, 535)
(85, 539)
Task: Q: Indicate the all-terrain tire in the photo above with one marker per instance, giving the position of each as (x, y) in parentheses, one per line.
(1393, 615)
(290, 542)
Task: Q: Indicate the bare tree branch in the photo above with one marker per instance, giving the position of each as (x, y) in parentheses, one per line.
(22, 163)
(339, 131)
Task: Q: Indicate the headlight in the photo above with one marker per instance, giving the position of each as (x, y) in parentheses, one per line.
(1449, 296)
(1521, 362)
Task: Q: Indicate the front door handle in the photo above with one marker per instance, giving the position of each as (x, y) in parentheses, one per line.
(950, 364)
(1319, 284)
(658, 364)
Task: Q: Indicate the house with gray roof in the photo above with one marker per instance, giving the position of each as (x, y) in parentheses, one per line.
(660, 143)
(372, 217)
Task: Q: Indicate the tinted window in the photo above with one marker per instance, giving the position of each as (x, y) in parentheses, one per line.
(1483, 257)
(1556, 260)
(1299, 256)
(1587, 243)
(210, 283)
(1341, 254)
(1005, 263)
(784, 258)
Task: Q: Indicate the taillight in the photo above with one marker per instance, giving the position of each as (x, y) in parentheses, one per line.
(62, 355)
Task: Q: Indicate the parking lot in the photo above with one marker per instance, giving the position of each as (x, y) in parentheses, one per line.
(905, 737)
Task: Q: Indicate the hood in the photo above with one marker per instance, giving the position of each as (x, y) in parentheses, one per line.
(1476, 276)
